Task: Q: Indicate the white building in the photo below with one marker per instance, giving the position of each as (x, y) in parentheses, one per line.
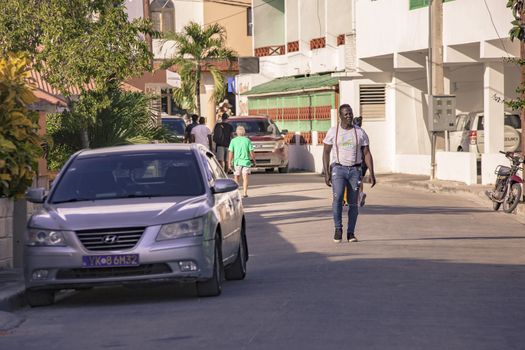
(381, 68)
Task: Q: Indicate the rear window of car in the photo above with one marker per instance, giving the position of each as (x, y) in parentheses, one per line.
(112, 176)
(510, 120)
(256, 126)
(176, 126)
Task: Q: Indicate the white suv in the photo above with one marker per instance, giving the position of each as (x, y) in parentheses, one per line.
(469, 133)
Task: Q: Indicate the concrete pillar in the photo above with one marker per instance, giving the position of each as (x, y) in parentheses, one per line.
(493, 85)
(208, 106)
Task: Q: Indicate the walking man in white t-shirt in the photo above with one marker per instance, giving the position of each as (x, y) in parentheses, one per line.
(201, 134)
(345, 149)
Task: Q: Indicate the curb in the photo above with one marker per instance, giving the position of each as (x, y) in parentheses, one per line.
(476, 194)
(12, 290)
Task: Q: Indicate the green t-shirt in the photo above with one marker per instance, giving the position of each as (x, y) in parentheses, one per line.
(241, 146)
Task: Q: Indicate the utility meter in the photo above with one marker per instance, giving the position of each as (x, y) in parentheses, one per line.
(443, 116)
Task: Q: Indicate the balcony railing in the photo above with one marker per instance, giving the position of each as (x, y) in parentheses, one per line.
(293, 46)
(317, 43)
(274, 50)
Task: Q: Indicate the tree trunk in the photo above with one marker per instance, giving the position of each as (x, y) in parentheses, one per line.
(146, 11)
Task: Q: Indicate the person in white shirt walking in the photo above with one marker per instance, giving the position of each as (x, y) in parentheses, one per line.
(201, 134)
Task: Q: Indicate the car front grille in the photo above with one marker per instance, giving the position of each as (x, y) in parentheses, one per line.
(107, 272)
(110, 239)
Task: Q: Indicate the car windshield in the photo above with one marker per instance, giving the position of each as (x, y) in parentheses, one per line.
(176, 126)
(111, 176)
(256, 126)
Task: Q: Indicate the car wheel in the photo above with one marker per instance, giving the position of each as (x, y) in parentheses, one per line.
(213, 286)
(40, 297)
(269, 170)
(460, 149)
(283, 170)
(237, 270)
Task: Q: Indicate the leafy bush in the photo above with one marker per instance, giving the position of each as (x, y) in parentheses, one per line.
(111, 118)
(19, 139)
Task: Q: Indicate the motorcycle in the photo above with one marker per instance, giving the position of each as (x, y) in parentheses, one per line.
(507, 190)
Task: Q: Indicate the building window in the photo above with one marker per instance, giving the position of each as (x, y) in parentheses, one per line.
(249, 21)
(372, 101)
(415, 4)
(163, 15)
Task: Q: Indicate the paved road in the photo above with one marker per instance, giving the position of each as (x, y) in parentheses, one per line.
(432, 271)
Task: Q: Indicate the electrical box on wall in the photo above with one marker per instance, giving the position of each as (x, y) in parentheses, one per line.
(443, 116)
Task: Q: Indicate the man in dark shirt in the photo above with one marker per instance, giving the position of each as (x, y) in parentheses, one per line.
(187, 132)
(222, 135)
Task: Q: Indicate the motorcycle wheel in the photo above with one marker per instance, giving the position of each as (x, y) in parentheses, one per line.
(496, 205)
(512, 198)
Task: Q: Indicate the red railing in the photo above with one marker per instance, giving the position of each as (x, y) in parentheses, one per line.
(317, 43)
(293, 46)
(270, 51)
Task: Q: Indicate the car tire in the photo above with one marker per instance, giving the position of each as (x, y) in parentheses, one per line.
(283, 170)
(237, 270)
(213, 286)
(40, 297)
(269, 170)
(460, 149)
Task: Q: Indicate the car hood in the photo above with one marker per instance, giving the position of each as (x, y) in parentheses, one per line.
(129, 212)
(264, 138)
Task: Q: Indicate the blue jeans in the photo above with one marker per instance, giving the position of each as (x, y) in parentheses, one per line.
(349, 178)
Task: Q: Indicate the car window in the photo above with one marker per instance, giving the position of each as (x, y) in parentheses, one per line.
(217, 171)
(481, 124)
(154, 174)
(513, 120)
(461, 121)
(256, 126)
(176, 126)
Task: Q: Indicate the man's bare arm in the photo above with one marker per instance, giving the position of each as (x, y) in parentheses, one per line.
(326, 164)
(369, 161)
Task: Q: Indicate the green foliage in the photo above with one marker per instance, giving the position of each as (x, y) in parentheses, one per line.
(116, 118)
(76, 42)
(517, 31)
(197, 49)
(19, 140)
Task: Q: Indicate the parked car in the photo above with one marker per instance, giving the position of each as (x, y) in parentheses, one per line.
(270, 147)
(469, 133)
(136, 214)
(174, 125)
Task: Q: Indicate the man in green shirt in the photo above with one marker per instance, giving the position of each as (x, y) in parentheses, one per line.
(241, 157)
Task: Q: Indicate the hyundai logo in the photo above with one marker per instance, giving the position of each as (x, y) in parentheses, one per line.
(109, 239)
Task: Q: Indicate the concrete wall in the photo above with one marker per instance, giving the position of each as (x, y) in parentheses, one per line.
(234, 19)
(456, 166)
(268, 23)
(395, 28)
(6, 233)
(313, 21)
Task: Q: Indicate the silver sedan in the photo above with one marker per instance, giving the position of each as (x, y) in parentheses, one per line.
(134, 214)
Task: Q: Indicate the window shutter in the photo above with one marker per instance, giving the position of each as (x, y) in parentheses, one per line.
(167, 21)
(372, 101)
(156, 19)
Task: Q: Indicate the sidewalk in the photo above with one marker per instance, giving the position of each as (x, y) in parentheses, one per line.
(12, 284)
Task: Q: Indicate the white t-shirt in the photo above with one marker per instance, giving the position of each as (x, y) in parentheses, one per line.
(346, 142)
(201, 133)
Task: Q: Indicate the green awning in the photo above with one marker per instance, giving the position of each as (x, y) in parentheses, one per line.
(289, 85)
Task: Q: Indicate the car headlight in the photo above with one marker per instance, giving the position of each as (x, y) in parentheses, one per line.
(188, 228)
(40, 237)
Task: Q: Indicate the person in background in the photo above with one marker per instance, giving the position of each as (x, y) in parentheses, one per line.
(358, 121)
(242, 158)
(222, 135)
(187, 131)
(201, 134)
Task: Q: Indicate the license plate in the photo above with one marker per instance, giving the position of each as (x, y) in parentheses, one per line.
(111, 260)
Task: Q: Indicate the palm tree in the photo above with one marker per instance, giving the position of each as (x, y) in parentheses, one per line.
(198, 48)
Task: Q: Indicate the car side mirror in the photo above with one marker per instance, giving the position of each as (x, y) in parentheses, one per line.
(224, 185)
(36, 195)
(285, 131)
